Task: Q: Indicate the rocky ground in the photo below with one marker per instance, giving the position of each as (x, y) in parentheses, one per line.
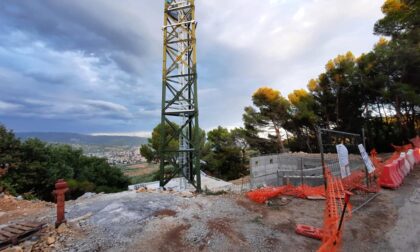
(153, 221)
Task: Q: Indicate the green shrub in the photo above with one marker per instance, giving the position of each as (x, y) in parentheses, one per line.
(36, 166)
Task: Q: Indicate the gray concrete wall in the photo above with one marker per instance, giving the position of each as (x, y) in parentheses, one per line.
(295, 168)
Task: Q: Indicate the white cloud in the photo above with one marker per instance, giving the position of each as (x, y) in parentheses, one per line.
(8, 107)
(83, 64)
(277, 1)
(107, 105)
(145, 112)
(299, 15)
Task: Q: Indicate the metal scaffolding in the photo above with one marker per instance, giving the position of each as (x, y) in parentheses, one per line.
(179, 119)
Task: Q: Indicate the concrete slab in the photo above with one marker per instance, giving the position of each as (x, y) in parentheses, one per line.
(178, 184)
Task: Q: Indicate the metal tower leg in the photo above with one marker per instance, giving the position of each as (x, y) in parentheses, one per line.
(179, 116)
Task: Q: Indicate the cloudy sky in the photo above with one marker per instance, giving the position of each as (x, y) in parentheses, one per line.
(95, 66)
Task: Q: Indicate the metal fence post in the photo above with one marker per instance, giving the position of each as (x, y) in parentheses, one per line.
(251, 176)
(364, 145)
(364, 138)
(321, 150)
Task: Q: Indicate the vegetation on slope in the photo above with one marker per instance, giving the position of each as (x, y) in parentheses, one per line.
(34, 166)
(378, 91)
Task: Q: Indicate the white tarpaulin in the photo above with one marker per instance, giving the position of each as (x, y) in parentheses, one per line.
(366, 158)
(343, 160)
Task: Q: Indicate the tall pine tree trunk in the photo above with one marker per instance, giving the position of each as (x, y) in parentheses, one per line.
(279, 141)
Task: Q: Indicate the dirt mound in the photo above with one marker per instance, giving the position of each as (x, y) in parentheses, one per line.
(240, 181)
(223, 226)
(174, 238)
(11, 208)
(164, 212)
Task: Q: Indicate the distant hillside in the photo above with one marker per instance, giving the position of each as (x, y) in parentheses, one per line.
(74, 138)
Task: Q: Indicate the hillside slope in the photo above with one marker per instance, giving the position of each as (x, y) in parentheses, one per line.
(75, 138)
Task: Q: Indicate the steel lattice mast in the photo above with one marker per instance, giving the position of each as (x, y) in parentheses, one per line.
(179, 95)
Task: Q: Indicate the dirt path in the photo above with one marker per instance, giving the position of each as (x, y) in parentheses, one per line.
(391, 222)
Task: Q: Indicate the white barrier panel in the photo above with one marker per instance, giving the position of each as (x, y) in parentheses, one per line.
(366, 158)
(406, 165)
(410, 158)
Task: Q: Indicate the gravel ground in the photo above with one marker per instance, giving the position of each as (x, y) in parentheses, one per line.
(145, 221)
(391, 222)
(116, 218)
(133, 221)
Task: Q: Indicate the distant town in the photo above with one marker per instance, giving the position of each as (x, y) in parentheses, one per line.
(119, 156)
(118, 150)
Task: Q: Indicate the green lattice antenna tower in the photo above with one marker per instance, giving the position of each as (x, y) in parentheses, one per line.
(179, 96)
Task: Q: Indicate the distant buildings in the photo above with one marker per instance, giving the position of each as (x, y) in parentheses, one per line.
(118, 156)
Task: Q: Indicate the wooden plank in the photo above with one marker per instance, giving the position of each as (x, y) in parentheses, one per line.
(17, 232)
(13, 230)
(31, 224)
(6, 234)
(316, 197)
(21, 227)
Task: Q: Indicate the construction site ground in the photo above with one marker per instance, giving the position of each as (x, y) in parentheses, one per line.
(169, 221)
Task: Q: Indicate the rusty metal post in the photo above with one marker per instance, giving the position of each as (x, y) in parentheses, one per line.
(346, 201)
(60, 189)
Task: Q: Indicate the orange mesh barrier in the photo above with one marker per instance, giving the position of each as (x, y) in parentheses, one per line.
(303, 191)
(331, 239)
(416, 141)
(403, 148)
(353, 182)
(379, 166)
(350, 183)
(263, 194)
(335, 194)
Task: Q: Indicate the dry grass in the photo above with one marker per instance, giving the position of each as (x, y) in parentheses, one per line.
(140, 170)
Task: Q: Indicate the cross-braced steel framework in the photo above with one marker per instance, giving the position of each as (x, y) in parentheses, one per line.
(179, 119)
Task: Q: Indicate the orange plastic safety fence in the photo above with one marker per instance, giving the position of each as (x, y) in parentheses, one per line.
(303, 191)
(350, 183)
(355, 179)
(393, 157)
(332, 244)
(379, 166)
(416, 141)
(403, 148)
(353, 182)
(335, 194)
(331, 240)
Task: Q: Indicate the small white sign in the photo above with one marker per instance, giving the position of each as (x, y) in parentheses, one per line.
(343, 160)
(366, 159)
